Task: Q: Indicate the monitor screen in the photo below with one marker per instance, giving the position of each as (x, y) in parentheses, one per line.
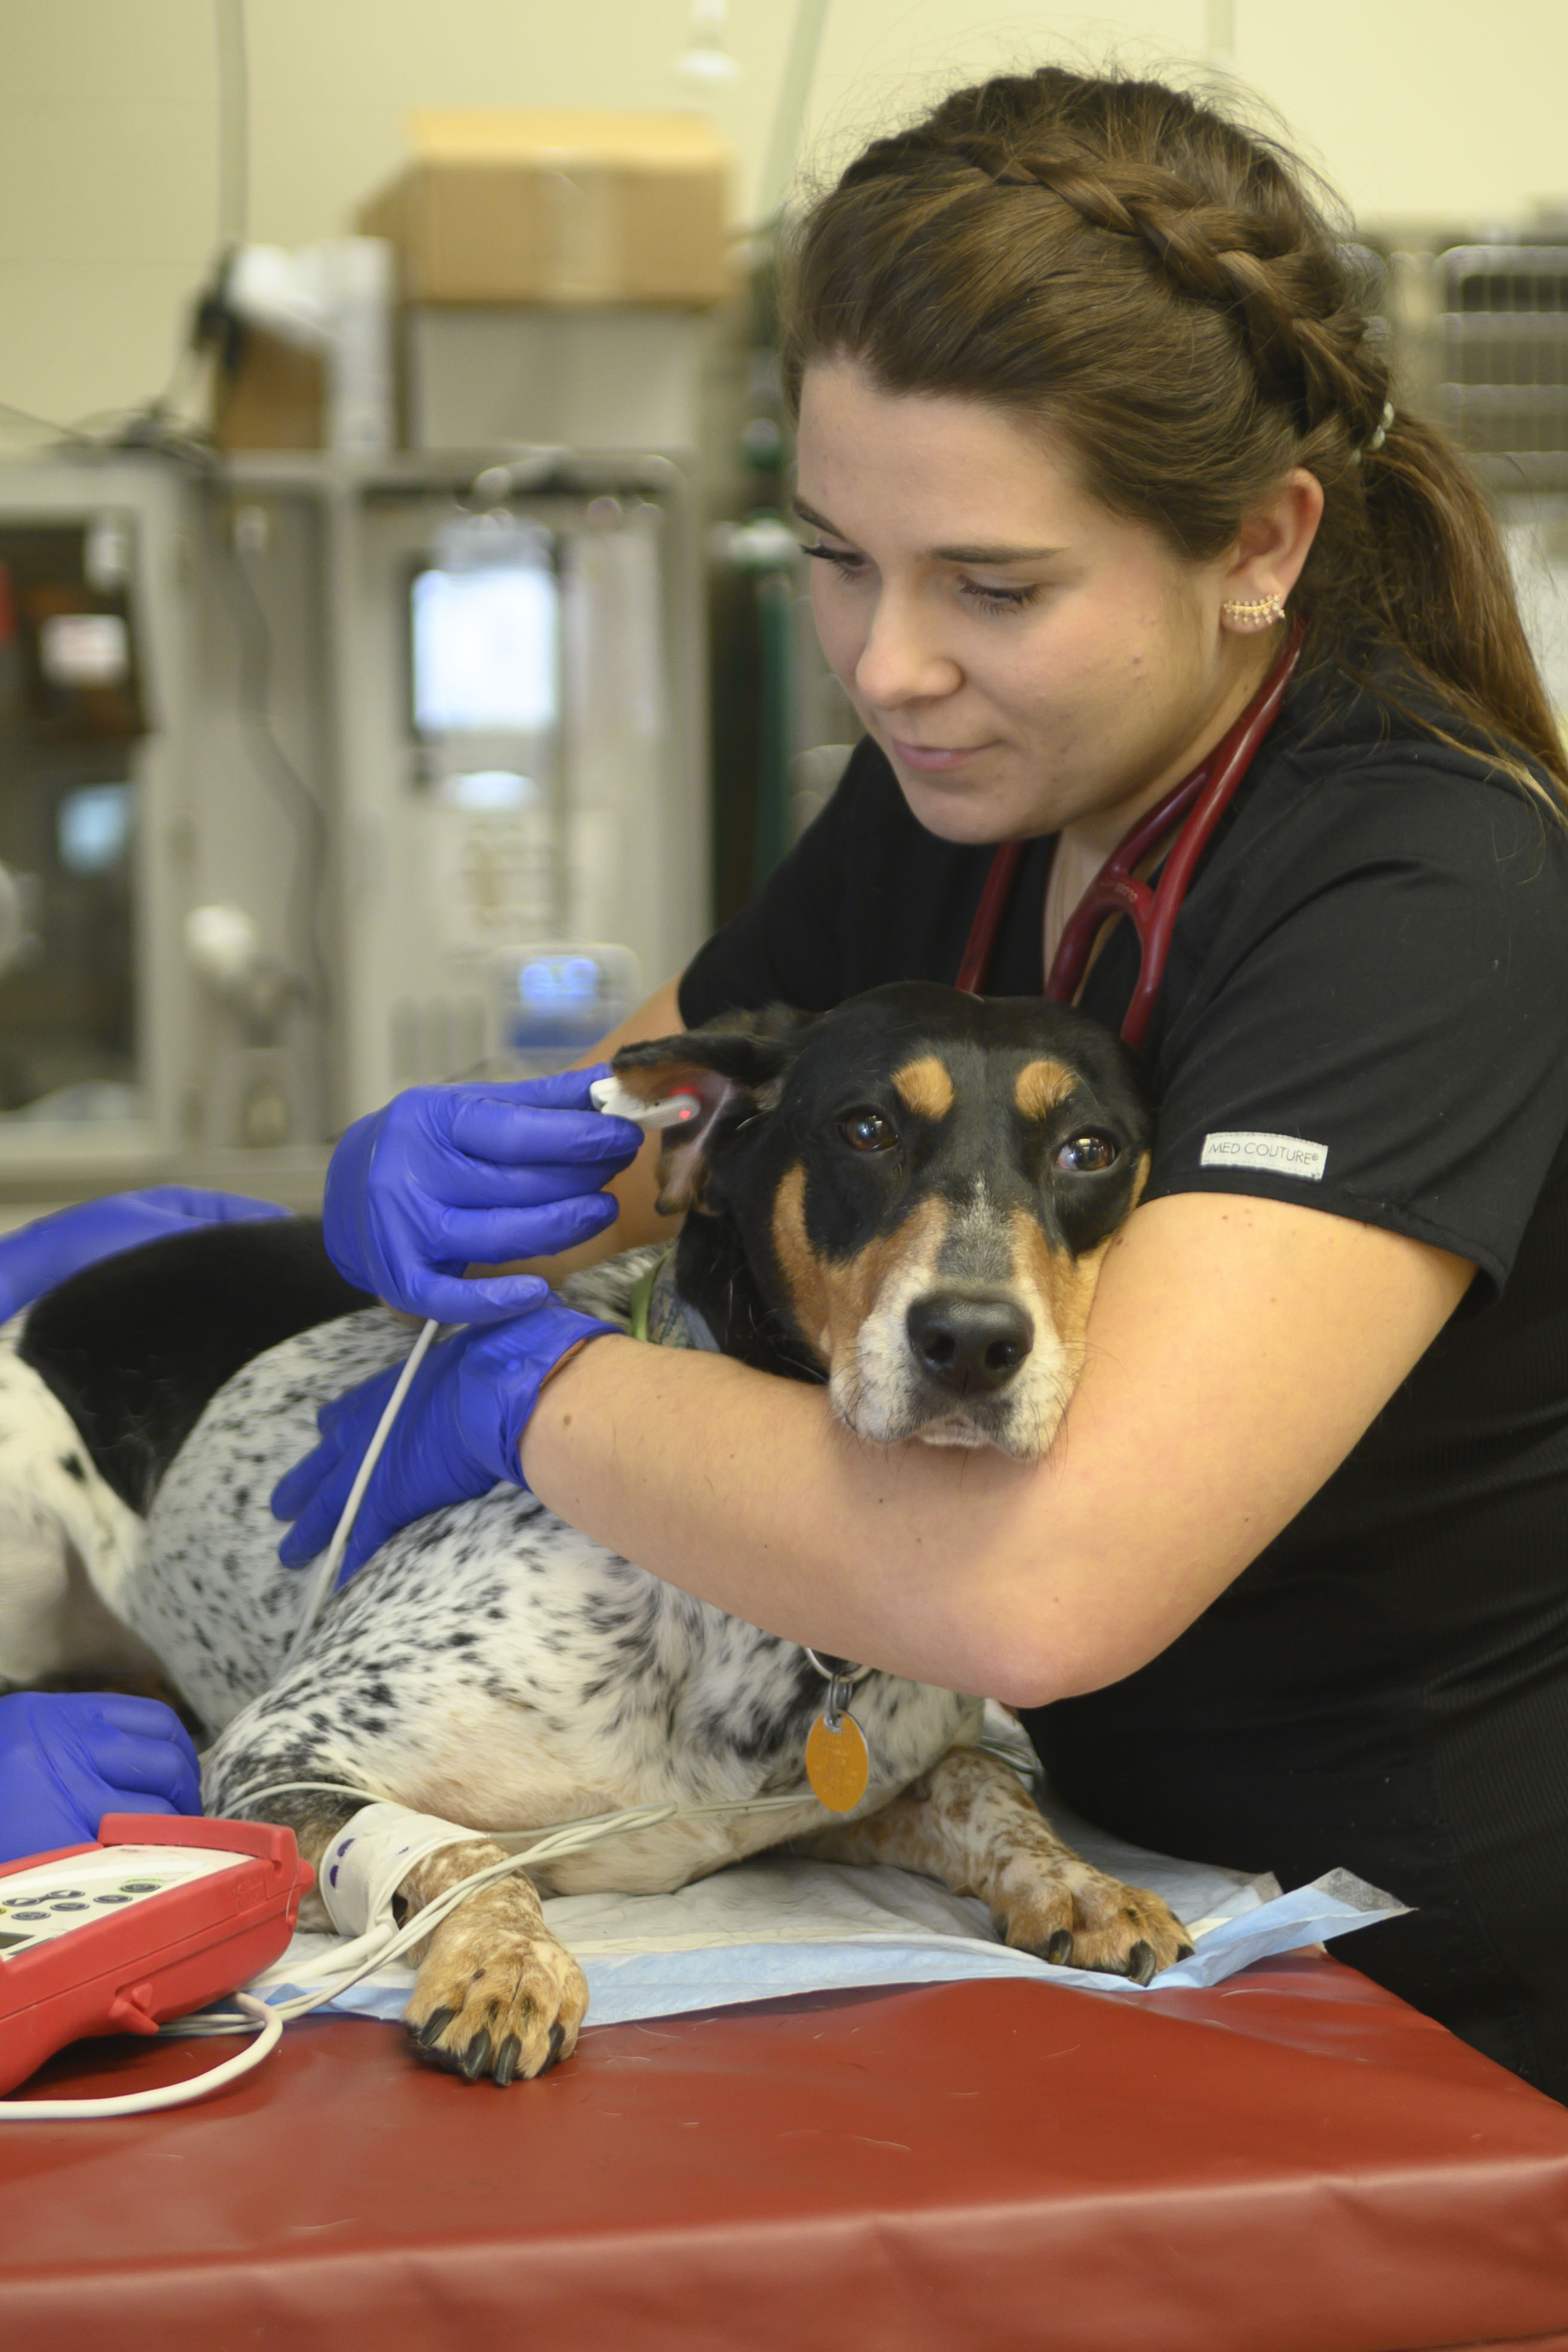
(485, 651)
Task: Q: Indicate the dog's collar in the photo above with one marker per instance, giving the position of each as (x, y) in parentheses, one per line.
(659, 1314)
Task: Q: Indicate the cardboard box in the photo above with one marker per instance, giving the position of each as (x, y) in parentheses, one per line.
(276, 399)
(505, 207)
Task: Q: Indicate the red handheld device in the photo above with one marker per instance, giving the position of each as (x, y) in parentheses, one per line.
(161, 1916)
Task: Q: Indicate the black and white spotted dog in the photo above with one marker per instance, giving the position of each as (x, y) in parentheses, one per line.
(907, 1198)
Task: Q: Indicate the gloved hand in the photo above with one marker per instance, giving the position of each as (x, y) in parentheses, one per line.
(457, 1434)
(38, 1256)
(448, 1176)
(68, 1757)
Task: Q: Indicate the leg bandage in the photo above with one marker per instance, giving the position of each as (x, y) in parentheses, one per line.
(371, 1856)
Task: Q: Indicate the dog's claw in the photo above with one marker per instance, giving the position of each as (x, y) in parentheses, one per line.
(1059, 1950)
(476, 2057)
(557, 2036)
(506, 2061)
(1141, 1962)
(434, 2025)
(1185, 1950)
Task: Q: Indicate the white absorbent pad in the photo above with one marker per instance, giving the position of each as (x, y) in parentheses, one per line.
(781, 1924)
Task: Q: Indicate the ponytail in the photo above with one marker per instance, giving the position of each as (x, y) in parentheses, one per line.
(1444, 594)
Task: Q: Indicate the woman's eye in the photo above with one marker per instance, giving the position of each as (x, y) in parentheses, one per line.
(998, 599)
(868, 1131)
(1088, 1155)
(847, 566)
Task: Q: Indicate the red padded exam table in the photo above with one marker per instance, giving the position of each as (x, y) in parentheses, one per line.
(1293, 2162)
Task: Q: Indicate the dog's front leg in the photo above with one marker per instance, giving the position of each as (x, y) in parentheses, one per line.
(496, 1993)
(971, 1822)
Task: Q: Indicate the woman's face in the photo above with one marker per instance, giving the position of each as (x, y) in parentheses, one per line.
(1026, 658)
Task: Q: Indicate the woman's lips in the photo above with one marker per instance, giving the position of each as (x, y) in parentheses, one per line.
(932, 760)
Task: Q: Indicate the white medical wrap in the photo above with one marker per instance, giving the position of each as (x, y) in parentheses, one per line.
(372, 1855)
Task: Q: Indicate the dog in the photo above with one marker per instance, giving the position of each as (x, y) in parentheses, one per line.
(906, 1200)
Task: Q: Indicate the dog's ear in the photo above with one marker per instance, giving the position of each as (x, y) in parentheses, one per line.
(734, 1064)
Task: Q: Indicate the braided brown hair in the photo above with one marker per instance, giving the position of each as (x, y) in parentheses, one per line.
(1117, 261)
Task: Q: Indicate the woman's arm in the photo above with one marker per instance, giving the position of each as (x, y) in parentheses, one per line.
(1239, 1348)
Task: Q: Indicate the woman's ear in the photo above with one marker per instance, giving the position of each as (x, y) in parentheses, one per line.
(736, 1063)
(1275, 540)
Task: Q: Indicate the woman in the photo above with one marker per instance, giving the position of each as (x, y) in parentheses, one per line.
(1090, 410)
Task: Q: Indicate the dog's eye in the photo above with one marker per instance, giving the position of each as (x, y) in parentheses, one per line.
(868, 1131)
(1088, 1155)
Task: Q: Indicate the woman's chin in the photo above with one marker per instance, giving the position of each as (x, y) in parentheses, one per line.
(967, 809)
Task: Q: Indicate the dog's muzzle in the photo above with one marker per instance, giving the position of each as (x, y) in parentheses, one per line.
(970, 1343)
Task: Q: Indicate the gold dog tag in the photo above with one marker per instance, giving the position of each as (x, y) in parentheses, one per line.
(837, 1763)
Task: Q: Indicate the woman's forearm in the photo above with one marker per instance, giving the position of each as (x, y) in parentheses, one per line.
(1237, 1350)
(743, 1489)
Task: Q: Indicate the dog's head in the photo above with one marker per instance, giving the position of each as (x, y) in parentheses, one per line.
(920, 1186)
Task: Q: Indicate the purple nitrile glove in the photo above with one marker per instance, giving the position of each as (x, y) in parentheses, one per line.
(444, 1178)
(38, 1256)
(457, 1434)
(68, 1757)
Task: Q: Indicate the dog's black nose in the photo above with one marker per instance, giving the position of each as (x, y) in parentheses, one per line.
(972, 1341)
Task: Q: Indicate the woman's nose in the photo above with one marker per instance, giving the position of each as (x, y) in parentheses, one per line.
(902, 659)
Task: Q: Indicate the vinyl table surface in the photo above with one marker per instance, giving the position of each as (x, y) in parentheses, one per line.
(1292, 2162)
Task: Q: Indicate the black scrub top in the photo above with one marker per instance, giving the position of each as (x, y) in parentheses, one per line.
(1366, 1010)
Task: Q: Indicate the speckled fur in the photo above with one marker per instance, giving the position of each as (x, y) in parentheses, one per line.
(494, 1668)
(490, 1664)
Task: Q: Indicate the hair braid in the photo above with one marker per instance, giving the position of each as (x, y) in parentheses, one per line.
(1183, 316)
(1287, 297)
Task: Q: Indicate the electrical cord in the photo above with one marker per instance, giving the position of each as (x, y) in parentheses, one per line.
(8, 408)
(325, 1575)
(266, 2023)
(379, 1945)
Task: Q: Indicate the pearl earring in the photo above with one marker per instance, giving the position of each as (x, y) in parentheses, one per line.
(1247, 615)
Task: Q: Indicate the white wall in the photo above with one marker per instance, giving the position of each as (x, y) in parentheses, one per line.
(107, 129)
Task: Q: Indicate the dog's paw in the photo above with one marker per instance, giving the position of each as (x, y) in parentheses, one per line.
(1076, 1916)
(496, 1994)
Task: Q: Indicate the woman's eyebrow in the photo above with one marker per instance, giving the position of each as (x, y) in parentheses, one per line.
(992, 555)
(818, 522)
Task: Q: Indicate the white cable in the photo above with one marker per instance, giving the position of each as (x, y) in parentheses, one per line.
(549, 1846)
(331, 1558)
(380, 1945)
(607, 1095)
(265, 2023)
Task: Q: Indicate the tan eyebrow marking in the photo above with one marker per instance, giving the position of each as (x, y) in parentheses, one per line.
(1042, 1087)
(925, 1086)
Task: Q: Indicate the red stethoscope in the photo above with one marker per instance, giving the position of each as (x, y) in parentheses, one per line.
(1201, 799)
